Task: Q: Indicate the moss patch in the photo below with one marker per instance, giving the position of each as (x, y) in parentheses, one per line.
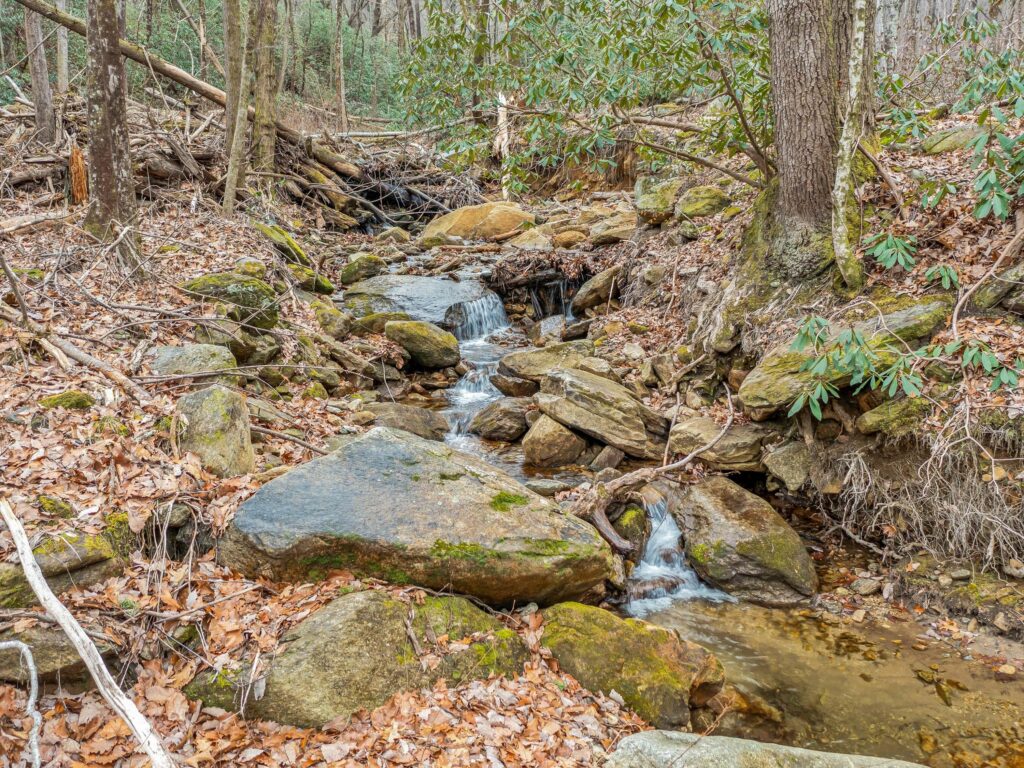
(72, 399)
(504, 501)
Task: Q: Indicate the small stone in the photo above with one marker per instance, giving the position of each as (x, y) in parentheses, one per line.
(998, 474)
(545, 487)
(865, 587)
(961, 574)
(1006, 673)
(1014, 568)
(609, 458)
(607, 475)
(859, 615)
(945, 580)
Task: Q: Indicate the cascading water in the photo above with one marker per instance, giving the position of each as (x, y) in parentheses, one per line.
(663, 576)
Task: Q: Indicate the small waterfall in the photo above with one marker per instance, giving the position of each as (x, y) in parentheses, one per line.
(481, 317)
(663, 576)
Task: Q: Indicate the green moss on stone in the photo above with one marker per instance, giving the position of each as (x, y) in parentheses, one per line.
(309, 280)
(72, 399)
(54, 506)
(504, 501)
(112, 425)
(250, 299)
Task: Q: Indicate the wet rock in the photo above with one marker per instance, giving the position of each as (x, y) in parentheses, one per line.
(604, 410)
(393, 235)
(697, 202)
(895, 418)
(609, 458)
(655, 198)
(693, 750)
(390, 504)
(427, 344)
(739, 543)
(738, 450)
(535, 364)
(213, 423)
(194, 359)
(428, 424)
(596, 291)
(779, 377)
(790, 463)
(865, 587)
(355, 653)
(547, 331)
(513, 386)
(546, 487)
(480, 222)
(550, 444)
(362, 266)
(658, 675)
(434, 300)
(503, 419)
(249, 299)
(634, 526)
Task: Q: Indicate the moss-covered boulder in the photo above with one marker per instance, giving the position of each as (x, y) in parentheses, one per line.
(213, 423)
(480, 222)
(285, 244)
(332, 321)
(248, 347)
(200, 360)
(895, 418)
(356, 653)
(739, 449)
(739, 543)
(249, 299)
(535, 364)
(393, 505)
(633, 525)
(995, 289)
(393, 235)
(81, 559)
(428, 345)
(658, 675)
(697, 202)
(950, 139)
(310, 280)
(375, 322)
(362, 266)
(54, 655)
(596, 291)
(504, 419)
(655, 198)
(778, 379)
(71, 399)
(550, 444)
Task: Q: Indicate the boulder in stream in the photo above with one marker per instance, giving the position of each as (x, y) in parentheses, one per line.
(658, 675)
(390, 504)
(427, 344)
(356, 653)
(550, 444)
(694, 750)
(535, 364)
(737, 542)
(434, 300)
(503, 419)
(428, 424)
(606, 411)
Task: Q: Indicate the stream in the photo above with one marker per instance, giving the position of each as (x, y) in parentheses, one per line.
(805, 679)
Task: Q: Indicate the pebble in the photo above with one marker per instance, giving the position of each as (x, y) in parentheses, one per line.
(859, 615)
(1006, 672)
(945, 580)
(1014, 568)
(961, 574)
(865, 587)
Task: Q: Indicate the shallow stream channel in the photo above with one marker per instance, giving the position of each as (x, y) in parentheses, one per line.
(808, 678)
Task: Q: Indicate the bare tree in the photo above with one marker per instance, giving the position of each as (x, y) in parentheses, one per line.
(236, 150)
(233, 55)
(112, 208)
(42, 98)
(340, 98)
(262, 38)
(62, 52)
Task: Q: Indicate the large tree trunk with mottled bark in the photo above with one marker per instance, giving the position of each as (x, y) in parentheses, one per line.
(233, 54)
(112, 207)
(42, 98)
(263, 35)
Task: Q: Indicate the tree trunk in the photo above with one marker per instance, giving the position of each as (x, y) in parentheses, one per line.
(377, 22)
(62, 53)
(233, 55)
(112, 206)
(340, 98)
(262, 38)
(42, 98)
(236, 150)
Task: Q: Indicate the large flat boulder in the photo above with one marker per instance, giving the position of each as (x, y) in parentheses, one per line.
(535, 364)
(480, 222)
(780, 376)
(356, 653)
(694, 750)
(604, 410)
(740, 544)
(393, 505)
(434, 300)
(658, 675)
(430, 425)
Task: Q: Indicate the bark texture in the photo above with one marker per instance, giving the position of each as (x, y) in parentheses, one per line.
(42, 98)
(262, 37)
(62, 53)
(233, 51)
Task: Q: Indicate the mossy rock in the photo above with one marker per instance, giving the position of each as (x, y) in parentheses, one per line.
(310, 280)
(655, 198)
(375, 322)
(332, 321)
(30, 276)
(427, 344)
(950, 139)
(214, 424)
(54, 506)
(356, 653)
(250, 267)
(698, 202)
(658, 675)
(111, 425)
(634, 527)
(285, 244)
(72, 400)
(361, 267)
(195, 359)
(315, 391)
(896, 418)
(249, 299)
(393, 235)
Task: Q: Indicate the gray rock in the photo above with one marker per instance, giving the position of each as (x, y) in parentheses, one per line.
(535, 364)
(434, 300)
(609, 458)
(738, 542)
(355, 653)
(547, 331)
(606, 411)
(596, 291)
(429, 345)
(54, 655)
(213, 423)
(738, 450)
(662, 749)
(428, 424)
(865, 587)
(546, 487)
(513, 386)
(194, 359)
(503, 419)
(790, 463)
(390, 504)
(550, 444)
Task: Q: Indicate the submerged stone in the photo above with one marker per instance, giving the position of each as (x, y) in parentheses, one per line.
(434, 300)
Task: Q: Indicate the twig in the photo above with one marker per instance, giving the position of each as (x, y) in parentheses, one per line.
(890, 182)
(286, 436)
(1008, 252)
(114, 696)
(33, 694)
